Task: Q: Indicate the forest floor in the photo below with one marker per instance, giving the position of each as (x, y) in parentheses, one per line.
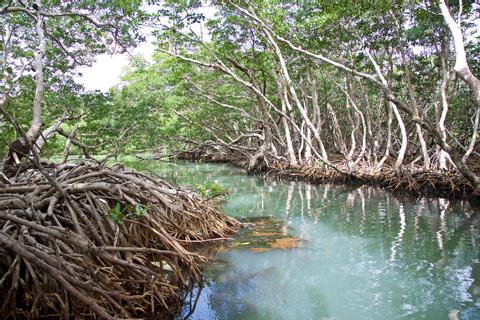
(91, 241)
(447, 184)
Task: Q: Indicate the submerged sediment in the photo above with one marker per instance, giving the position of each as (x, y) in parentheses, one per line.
(87, 241)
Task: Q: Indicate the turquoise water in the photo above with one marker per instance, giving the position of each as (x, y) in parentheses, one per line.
(365, 254)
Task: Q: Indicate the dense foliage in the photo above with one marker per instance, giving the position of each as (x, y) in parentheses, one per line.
(43, 42)
(364, 84)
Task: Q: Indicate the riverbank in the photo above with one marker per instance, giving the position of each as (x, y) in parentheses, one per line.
(90, 241)
(447, 184)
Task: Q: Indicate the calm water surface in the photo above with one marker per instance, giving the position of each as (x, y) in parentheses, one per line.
(366, 254)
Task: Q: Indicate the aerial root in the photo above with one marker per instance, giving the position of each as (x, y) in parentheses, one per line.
(111, 243)
(411, 180)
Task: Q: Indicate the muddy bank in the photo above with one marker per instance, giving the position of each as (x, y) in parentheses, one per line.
(448, 184)
(89, 241)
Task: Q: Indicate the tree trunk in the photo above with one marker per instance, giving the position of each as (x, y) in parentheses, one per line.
(68, 144)
(339, 141)
(286, 105)
(36, 125)
(463, 71)
(411, 95)
(388, 144)
(285, 77)
(360, 114)
(403, 130)
(443, 155)
(461, 65)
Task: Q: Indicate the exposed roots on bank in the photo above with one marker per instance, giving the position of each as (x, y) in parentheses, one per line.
(97, 242)
(410, 180)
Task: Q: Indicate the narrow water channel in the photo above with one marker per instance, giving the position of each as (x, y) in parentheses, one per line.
(365, 253)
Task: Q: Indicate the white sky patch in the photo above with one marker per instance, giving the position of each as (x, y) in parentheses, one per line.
(107, 69)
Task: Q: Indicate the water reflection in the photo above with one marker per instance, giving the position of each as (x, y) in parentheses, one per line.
(399, 238)
(442, 228)
(368, 254)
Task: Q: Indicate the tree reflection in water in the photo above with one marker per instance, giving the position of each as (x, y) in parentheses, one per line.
(367, 252)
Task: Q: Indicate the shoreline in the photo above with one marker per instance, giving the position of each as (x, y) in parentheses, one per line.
(449, 184)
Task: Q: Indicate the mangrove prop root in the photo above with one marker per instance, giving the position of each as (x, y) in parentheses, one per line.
(411, 180)
(112, 244)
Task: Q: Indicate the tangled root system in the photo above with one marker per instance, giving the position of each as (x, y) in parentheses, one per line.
(87, 241)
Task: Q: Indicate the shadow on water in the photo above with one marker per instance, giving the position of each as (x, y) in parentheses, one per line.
(350, 253)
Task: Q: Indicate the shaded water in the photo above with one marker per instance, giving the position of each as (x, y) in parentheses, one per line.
(366, 254)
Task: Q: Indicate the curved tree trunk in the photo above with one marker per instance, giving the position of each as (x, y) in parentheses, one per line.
(403, 131)
(388, 144)
(463, 71)
(411, 95)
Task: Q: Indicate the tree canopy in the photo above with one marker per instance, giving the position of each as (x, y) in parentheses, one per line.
(349, 85)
